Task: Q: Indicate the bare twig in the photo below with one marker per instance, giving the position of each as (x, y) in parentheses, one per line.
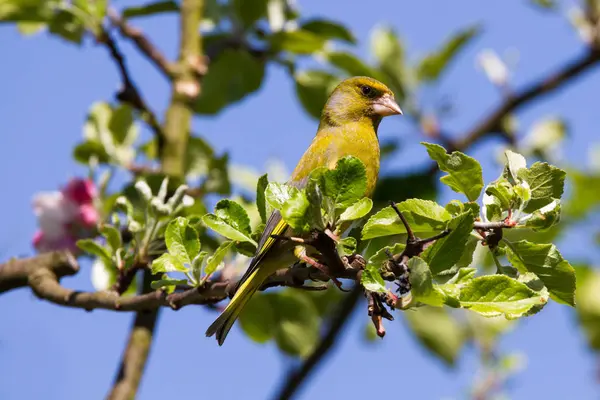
(129, 93)
(296, 378)
(492, 124)
(142, 42)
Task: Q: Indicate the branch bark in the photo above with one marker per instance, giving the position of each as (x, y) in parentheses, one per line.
(18, 273)
(298, 377)
(493, 122)
(136, 353)
(44, 282)
(144, 45)
(129, 93)
(186, 88)
(171, 146)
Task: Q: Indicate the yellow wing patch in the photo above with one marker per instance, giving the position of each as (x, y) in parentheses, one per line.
(278, 230)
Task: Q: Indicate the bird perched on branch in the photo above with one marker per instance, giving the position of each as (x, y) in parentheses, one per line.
(348, 127)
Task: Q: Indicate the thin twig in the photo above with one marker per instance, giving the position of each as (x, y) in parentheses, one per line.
(129, 93)
(142, 42)
(298, 377)
(409, 231)
(493, 122)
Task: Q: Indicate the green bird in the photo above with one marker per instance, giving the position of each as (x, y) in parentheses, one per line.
(348, 127)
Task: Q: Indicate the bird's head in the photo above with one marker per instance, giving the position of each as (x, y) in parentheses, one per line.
(359, 98)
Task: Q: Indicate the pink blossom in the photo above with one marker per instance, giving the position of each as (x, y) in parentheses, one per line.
(65, 216)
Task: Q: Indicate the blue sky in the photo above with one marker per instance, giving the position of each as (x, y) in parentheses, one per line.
(57, 353)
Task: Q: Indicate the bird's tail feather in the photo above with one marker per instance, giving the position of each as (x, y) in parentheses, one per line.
(225, 321)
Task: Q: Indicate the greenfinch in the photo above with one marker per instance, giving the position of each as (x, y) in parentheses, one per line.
(348, 127)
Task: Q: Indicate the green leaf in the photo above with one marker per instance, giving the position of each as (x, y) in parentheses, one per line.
(431, 67)
(233, 75)
(588, 304)
(466, 259)
(503, 191)
(67, 25)
(86, 151)
(492, 208)
(545, 218)
(167, 263)
(514, 163)
(546, 183)
(198, 157)
(295, 212)
(26, 11)
(182, 240)
(110, 133)
(277, 194)
(217, 180)
(545, 4)
(197, 265)
(234, 214)
(346, 246)
(351, 64)
(435, 329)
(423, 216)
(91, 247)
(231, 221)
(297, 331)
(148, 9)
(298, 42)
(123, 204)
(328, 30)
(389, 53)
(416, 185)
(113, 237)
(464, 172)
(495, 295)
(261, 203)
(249, 11)
(313, 88)
(584, 197)
(421, 281)
(380, 257)
(463, 275)
(345, 184)
(166, 283)
(357, 210)
(216, 259)
(371, 279)
(446, 252)
(258, 319)
(547, 263)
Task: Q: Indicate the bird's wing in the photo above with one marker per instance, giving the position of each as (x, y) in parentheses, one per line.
(275, 226)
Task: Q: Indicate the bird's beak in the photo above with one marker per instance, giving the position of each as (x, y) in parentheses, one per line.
(386, 105)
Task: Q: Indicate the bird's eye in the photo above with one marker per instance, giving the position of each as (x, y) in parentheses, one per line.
(366, 90)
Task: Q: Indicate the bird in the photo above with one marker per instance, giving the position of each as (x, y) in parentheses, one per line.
(348, 127)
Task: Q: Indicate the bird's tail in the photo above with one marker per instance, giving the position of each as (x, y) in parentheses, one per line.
(243, 294)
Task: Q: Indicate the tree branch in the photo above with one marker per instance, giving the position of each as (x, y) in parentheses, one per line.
(44, 282)
(144, 45)
(136, 353)
(186, 88)
(17, 273)
(493, 122)
(298, 377)
(129, 93)
(171, 149)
